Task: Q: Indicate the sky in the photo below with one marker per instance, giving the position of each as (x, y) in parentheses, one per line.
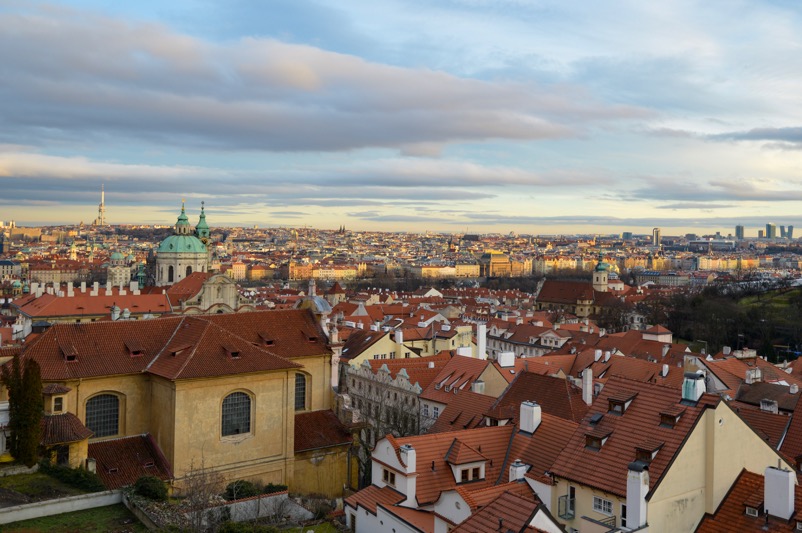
(480, 116)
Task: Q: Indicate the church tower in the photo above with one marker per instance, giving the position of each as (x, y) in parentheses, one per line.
(182, 253)
(600, 274)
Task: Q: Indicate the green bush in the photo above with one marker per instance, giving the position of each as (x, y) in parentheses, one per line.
(151, 487)
(241, 489)
(270, 488)
(76, 477)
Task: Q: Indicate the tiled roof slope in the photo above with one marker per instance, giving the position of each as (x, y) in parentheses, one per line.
(493, 442)
(49, 305)
(360, 340)
(606, 468)
(63, 429)
(174, 348)
(121, 462)
(187, 288)
(372, 495)
(319, 429)
(464, 411)
(460, 372)
(731, 516)
(417, 368)
(771, 427)
(508, 512)
(556, 396)
(294, 332)
(541, 448)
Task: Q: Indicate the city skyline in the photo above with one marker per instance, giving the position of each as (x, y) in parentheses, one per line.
(539, 118)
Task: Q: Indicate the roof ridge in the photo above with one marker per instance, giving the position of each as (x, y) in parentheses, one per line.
(166, 344)
(194, 350)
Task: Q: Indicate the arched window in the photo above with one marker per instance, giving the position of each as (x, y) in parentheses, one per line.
(236, 414)
(103, 415)
(170, 274)
(189, 270)
(300, 392)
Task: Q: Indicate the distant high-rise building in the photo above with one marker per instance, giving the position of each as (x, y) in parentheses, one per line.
(782, 232)
(760, 233)
(627, 235)
(789, 233)
(771, 230)
(739, 232)
(656, 236)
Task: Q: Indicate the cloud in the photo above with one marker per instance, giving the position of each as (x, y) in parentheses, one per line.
(104, 77)
(790, 135)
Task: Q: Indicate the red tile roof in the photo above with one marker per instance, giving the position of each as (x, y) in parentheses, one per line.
(121, 462)
(606, 468)
(372, 495)
(464, 411)
(507, 512)
(731, 516)
(51, 306)
(319, 429)
(556, 396)
(63, 429)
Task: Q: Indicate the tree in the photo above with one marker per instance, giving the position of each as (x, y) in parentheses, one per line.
(25, 406)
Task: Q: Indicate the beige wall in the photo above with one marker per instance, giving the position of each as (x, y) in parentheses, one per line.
(323, 471)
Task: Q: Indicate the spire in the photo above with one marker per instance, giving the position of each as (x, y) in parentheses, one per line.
(182, 224)
(202, 229)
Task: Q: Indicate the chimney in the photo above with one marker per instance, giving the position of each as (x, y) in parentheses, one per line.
(587, 386)
(83, 286)
(753, 375)
(778, 492)
(693, 386)
(478, 386)
(769, 406)
(517, 471)
(606, 356)
(530, 417)
(793, 389)
(70, 289)
(409, 459)
(506, 359)
(431, 364)
(108, 288)
(312, 288)
(597, 355)
(665, 370)
(726, 350)
(95, 288)
(399, 336)
(637, 489)
(666, 348)
(481, 339)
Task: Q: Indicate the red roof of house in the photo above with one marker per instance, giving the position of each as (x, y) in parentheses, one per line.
(748, 491)
(62, 429)
(121, 462)
(606, 468)
(556, 396)
(319, 429)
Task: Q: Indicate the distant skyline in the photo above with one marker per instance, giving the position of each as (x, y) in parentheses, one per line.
(486, 116)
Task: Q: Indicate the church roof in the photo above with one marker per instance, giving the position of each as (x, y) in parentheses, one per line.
(182, 243)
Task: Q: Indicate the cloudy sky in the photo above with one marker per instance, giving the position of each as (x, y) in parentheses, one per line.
(457, 115)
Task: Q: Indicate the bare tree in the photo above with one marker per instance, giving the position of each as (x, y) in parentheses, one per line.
(201, 489)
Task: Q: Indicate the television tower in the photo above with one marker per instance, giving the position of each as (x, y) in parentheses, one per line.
(101, 209)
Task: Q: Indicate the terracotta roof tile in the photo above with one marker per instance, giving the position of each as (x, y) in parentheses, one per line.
(319, 429)
(507, 512)
(556, 396)
(63, 429)
(464, 411)
(121, 462)
(606, 468)
(372, 495)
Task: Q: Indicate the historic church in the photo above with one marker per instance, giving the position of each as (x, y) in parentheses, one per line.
(184, 252)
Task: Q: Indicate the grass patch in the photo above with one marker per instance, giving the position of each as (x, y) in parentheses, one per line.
(38, 486)
(112, 519)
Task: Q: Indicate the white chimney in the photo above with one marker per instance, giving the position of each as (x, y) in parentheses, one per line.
(374, 327)
(399, 336)
(108, 288)
(478, 386)
(778, 496)
(726, 350)
(83, 286)
(408, 457)
(693, 386)
(431, 364)
(597, 355)
(587, 386)
(70, 289)
(606, 356)
(481, 339)
(95, 288)
(506, 359)
(530, 418)
(637, 489)
(665, 370)
(753, 375)
(793, 389)
(517, 471)
(666, 348)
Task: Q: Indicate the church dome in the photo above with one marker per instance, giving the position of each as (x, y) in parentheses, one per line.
(182, 243)
(16, 284)
(117, 256)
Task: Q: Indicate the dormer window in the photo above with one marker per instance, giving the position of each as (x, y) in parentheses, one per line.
(58, 404)
(619, 403)
(135, 348)
(647, 450)
(594, 440)
(753, 512)
(670, 416)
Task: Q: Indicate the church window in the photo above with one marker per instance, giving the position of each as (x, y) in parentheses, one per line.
(300, 392)
(170, 274)
(236, 414)
(103, 415)
(189, 270)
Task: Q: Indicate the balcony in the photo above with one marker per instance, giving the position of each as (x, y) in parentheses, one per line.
(566, 507)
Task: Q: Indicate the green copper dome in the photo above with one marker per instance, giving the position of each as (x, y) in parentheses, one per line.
(182, 243)
(117, 256)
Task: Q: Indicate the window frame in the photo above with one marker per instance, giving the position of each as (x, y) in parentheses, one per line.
(301, 378)
(603, 505)
(93, 414)
(250, 418)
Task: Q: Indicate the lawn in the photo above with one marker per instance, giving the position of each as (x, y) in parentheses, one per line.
(38, 486)
(112, 519)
